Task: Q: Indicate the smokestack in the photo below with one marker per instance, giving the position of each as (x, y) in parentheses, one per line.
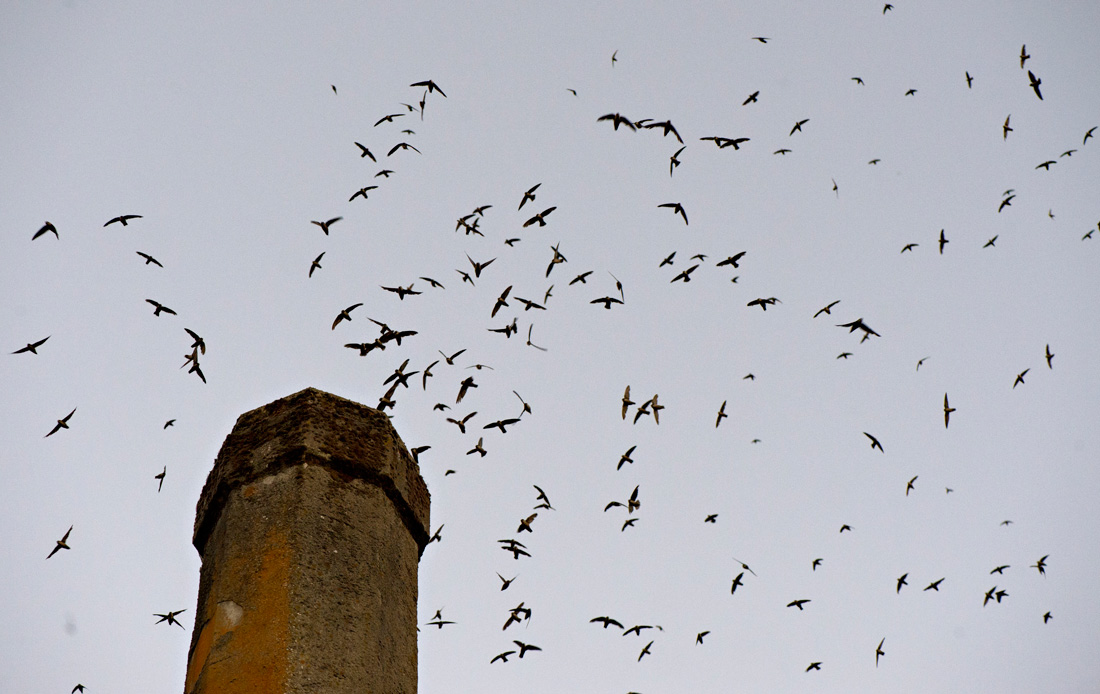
(310, 527)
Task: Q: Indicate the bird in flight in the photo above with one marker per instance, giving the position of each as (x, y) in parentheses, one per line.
(764, 303)
(934, 585)
(159, 308)
(432, 87)
(761, 39)
(1088, 134)
(617, 120)
(326, 224)
(676, 208)
(909, 488)
(798, 603)
(816, 665)
(1020, 378)
(878, 650)
(943, 241)
(1040, 565)
(362, 192)
(992, 242)
(316, 264)
(149, 259)
(721, 414)
(160, 477)
(827, 309)
(32, 347)
(1006, 129)
(345, 315)
(123, 219)
(902, 581)
(539, 218)
(857, 80)
(401, 145)
(1035, 82)
(947, 410)
(645, 651)
(1023, 55)
(874, 442)
(606, 621)
(673, 162)
(798, 126)
(170, 618)
(62, 423)
(751, 98)
(1049, 357)
(909, 247)
(364, 152)
(816, 563)
(62, 543)
(969, 80)
(48, 227)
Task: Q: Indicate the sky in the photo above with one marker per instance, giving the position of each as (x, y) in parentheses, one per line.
(230, 127)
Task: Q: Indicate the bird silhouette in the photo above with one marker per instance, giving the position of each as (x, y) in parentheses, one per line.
(326, 224)
(159, 308)
(947, 410)
(1035, 82)
(122, 219)
(345, 315)
(676, 208)
(62, 423)
(149, 259)
(170, 617)
(874, 442)
(32, 347)
(62, 543)
(48, 227)
(160, 478)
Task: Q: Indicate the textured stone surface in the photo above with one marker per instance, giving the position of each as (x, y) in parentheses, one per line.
(310, 528)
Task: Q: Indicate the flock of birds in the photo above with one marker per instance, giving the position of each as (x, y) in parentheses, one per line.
(511, 308)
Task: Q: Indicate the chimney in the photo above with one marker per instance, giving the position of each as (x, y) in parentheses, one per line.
(310, 527)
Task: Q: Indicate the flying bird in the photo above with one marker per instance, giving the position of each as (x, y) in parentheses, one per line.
(432, 87)
(48, 227)
(159, 308)
(62, 543)
(170, 618)
(617, 120)
(1049, 357)
(947, 410)
(1088, 134)
(1006, 129)
(345, 315)
(362, 192)
(751, 98)
(827, 309)
(943, 241)
(878, 650)
(874, 442)
(721, 414)
(32, 347)
(540, 218)
(149, 259)
(1020, 378)
(798, 126)
(316, 264)
(909, 488)
(364, 152)
(1035, 82)
(401, 145)
(123, 219)
(160, 478)
(676, 208)
(1040, 565)
(62, 423)
(934, 585)
(902, 581)
(326, 224)
(969, 80)
(798, 603)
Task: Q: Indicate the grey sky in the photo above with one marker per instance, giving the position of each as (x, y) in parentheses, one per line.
(219, 125)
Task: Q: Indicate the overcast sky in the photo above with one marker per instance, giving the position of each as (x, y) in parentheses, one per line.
(229, 128)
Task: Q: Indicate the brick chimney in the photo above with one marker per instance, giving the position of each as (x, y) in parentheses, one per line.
(310, 527)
